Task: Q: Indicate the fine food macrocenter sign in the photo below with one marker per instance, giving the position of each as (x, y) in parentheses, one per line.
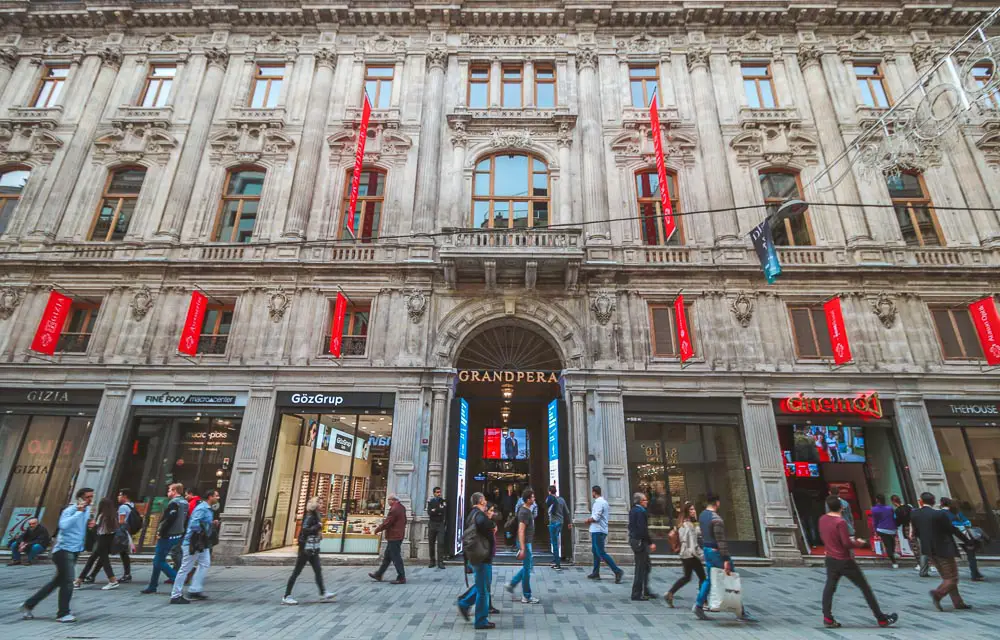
(499, 375)
(159, 398)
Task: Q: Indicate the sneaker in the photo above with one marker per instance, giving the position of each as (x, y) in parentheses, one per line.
(69, 617)
(494, 610)
(830, 623)
(979, 579)
(532, 600)
(618, 576)
(109, 586)
(488, 625)
(895, 566)
(464, 612)
(699, 612)
(594, 576)
(180, 600)
(557, 568)
(746, 617)
(289, 600)
(642, 598)
(26, 613)
(440, 565)
(197, 595)
(125, 578)
(888, 621)
(77, 584)
(508, 587)
(432, 566)
(669, 597)
(329, 596)
(89, 580)
(147, 590)
(963, 607)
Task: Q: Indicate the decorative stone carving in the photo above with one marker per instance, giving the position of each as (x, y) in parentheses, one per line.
(809, 55)
(131, 142)
(459, 131)
(384, 142)
(247, 142)
(989, 145)
(10, 300)
(884, 309)
(639, 44)
(383, 44)
(277, 304)
(8, 58)
(586, 57)
(217, 56)
(63, 45)
(167, 43)
(142, 302)
(516, 139)
(111, 57)
(603, 305)
(862, 44)
(564, 136)
(753, 45)
(698, 57)
(516, 41)
(437, 58)
(275, 45)
(416, 305)
(742, 308)
(924, 54)
(21, 142)
(636, 143)
(325, 57)
(775, 144)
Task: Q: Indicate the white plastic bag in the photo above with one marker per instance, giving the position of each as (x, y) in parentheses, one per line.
(725, 593)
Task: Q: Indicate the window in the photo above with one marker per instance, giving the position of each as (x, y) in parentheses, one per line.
(663, 322)
(12, 181)
(758, 85)
(159, 82)
(914, 210)
(479, 86)
(76, 335)
(957, 334)
(812, 337)
(647, 188)
(545, 86)
(50, 86)
(378, 86)
(117, 204)
(266, 87)
(510, 191)
(778, 186)
(512, 86)
(215, 328)
(368, 211)
(644, 83)
(238, 209)
(982, 74)
(871, 82)
(355, 335)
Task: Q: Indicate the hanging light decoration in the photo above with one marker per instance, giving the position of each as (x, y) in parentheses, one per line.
(507, 389)
(505, 413)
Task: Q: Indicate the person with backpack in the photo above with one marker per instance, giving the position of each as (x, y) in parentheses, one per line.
(130, 521)
(968, 541)
(479, 544)
(105, 527)
(196, 549)
(558, 514)
(168, 536)
(690, 551)
(309, 541)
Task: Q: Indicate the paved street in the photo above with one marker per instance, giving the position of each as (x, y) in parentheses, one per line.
(245, 604)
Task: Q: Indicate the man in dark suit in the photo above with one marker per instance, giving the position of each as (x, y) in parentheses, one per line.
(933, 528)
(511, 446)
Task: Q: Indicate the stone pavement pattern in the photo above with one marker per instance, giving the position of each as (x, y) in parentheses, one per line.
(245, 604)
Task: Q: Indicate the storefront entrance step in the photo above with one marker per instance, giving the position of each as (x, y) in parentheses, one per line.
(272, 559)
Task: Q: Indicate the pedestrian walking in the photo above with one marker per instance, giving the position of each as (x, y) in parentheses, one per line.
(934, 529)
(559, 515)
(192, 497)
(839, 547)
(105, 527)
(598, 522)
(691, 553)
(848, 514)
(923, 563)
(642, 546)
(309, 541)
(525, 538)
(884, 521)
(196, 551)
(33, 541)
(517, 508)
(437, 529)
(73, 523)
(968, 543)
(394, 526)
(125, 519)
(170, 531)
(716, 547)
(479, 553)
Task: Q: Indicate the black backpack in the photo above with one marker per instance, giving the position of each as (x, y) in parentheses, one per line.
(474, 544)
(133, 521)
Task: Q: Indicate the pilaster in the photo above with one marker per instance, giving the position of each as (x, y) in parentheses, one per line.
(105, 440)
(594, 182)
(429, 153)
(917, 438)
(403, 457)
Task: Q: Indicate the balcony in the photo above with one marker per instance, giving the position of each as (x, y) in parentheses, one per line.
(512, 256)
(212, 345)
(349, 346)
(73, 343)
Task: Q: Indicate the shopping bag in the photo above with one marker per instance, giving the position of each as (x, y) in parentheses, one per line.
(725, 593)
(904, 551)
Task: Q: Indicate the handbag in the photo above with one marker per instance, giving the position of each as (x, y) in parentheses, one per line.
(311, 545)
(725, 592)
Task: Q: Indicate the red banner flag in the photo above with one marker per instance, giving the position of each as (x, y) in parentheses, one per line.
(191, 334)
(987, 321)
(838, 332)
(51, 326)
(337, 331)
(669, 225)
(684, 347)
(359, 160)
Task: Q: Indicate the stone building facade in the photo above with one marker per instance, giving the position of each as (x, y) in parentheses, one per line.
(158, 148)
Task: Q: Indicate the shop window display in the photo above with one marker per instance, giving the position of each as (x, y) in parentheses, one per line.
(971, 460)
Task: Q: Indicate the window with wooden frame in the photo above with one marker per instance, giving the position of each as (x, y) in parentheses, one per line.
(50, 86)
(644, 83)
(378, 85)
(266, 87)
(663, 330)
(159, 82)
(871, 82)
(545, 86)
(12, 182)
(355, 334)
(368, 211)
(809, 328)
(479, 86)
(778, 186)
(982, 75)
(79, 327)
(956, 333)
(511, 86)
(239, 205)
(914, 210)
(758, 85)
(510, 191)
(215, 328)
(121, 192)
(647, 189)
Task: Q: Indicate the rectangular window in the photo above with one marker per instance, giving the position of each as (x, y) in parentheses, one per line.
(512, 87)
(758, 85)
(355, 335)
(871, 82)
(545, 86)
(215, 328)
(644, 83)
(159, 82)
(75, 337)
(647, 187)
(663, 325)
(50, 86)
(957, 334)
(812, 337)
(777, 187)
(266, 88)
(479, 86)
(378, 85)
(914, 210)
(982, 75)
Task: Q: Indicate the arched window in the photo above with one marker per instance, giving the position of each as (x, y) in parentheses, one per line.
(121, 191)
(777, 187)
(510, 191)
(239, 204)
(12, 181)
(914, 210)
(368, 210)
(647, 189)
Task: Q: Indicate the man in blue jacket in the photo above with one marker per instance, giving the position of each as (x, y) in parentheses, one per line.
(196, 550)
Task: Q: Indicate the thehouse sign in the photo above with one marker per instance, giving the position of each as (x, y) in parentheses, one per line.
(866, 405)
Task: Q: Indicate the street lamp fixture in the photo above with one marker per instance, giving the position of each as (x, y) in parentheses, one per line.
(507, 389)
(505, 413)
(791, 208)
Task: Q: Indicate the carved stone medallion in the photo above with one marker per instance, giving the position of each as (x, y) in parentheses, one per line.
(742, 308)
(416, 305)
(10, 299)
(277, 304)
(884, 309)
(142, 302)
(603, 305)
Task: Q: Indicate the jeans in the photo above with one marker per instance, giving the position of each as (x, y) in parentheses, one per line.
(973, 562)
(837, 569)
(204, 561)
(713, 560)
(300, 563)
(35, 549)
(394, 554)
(597, 541)
(163, 549)
(691, 565)
(643, 567)
(524, 575)
(65, 562)
(555, 533)
(437, 537)
(480, 593)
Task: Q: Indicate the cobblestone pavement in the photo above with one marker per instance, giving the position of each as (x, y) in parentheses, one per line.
(245, 604)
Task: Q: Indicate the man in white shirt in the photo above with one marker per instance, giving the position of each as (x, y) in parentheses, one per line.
(598, 522)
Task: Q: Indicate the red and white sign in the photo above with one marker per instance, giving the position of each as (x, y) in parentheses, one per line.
(838, 332)
(51, 326)
(191, 334)
(684, 347)
(866, 405)
(337, 331)
(359, 160)
(987, 321)
(669, 225)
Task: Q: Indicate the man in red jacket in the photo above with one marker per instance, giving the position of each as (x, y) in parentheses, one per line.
(394, 526)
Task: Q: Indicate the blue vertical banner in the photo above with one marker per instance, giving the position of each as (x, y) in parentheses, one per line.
(553, 416)
(463, 453)
(763, 244)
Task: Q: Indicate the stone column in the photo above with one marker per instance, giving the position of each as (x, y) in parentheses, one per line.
(105, 440)
(8, 60)
(459, 141)
(595, 187)
(429, 154)
(496, 79)
(528, 78)
(311, 144)
(403, 455)
(611, 422)
(565, 141)
(581, 477)
(917, 437)
(189, 163)
(439, 439)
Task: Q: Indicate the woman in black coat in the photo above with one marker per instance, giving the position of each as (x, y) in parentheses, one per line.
(309, 539)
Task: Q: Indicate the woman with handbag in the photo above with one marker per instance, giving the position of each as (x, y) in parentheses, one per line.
(691, 554)
(309, 540)
(105, 528)
(967, 541)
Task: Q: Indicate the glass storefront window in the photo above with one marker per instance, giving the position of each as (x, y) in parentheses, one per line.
(979, 502)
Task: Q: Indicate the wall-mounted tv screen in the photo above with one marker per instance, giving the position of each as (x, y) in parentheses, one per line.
(505, 444)
(817, 443)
